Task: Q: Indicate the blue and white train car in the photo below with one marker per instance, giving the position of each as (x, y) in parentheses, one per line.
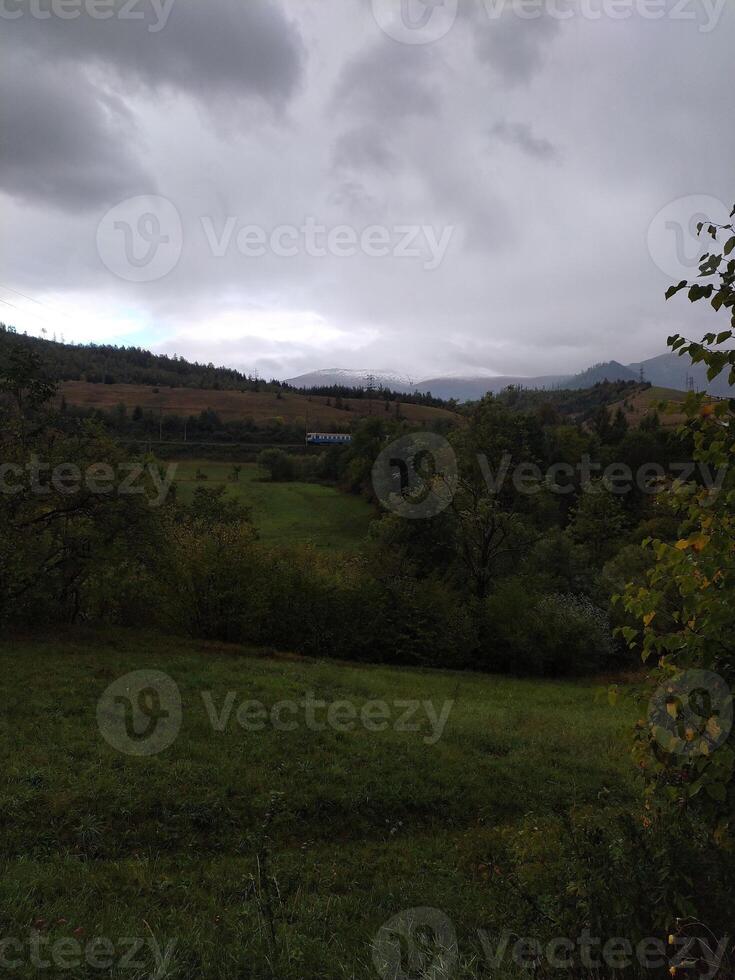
(327, 439)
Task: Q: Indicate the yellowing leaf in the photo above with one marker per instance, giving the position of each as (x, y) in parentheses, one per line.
(713, 728)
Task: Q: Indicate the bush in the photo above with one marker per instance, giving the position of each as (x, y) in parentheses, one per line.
(207, 575)
(553, 635)
(574, 634)
(607, 871)
(280, 466)
(222, 584)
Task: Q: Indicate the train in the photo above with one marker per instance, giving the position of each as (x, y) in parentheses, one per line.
(327, 439)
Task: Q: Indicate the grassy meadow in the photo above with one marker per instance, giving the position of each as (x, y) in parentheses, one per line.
(285, 513)
(312, 411)
(277, 853)
(642, 403)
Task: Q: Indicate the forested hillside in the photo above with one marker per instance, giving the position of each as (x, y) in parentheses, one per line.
(107, 364)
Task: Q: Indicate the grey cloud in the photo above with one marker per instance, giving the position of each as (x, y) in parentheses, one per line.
(212, 48)
(364, 148)
(390, 81)
(522, 136)
(70, 146)
(378, 133)
(352, 196)
(514, 46)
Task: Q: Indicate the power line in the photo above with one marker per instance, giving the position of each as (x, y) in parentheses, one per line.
(20, 310)
(31, 299)
(18, 293)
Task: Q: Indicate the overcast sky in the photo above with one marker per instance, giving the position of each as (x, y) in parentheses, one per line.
(236, 180)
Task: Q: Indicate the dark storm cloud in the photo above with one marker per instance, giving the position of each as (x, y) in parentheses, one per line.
(67, 84)
(218, 47)
(68, 146)
(522, 136)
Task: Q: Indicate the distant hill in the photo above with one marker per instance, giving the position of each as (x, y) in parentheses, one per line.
(470, 389)
(447, 388)
(671, 371)
(610, 371)
(354, 378)
(665, 371)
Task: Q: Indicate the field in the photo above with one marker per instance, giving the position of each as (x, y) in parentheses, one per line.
(310, 411)
(642, 403)
(285, 513)
(271, 853)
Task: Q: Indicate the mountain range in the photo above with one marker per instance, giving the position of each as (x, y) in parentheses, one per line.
(665, 371)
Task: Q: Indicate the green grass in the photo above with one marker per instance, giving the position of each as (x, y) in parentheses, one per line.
(656, 393)
(286, 513)
(359, 825)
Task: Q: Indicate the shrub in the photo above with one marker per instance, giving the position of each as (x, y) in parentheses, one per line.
(574, 634)
(607, 872)
(280, 466)
(552, 634)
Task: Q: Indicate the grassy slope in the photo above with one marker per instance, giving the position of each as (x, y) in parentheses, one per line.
(261, 407)
(285, 513)
(639, 405)
(367, 824)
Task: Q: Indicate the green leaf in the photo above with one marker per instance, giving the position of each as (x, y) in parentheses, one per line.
(717, 791)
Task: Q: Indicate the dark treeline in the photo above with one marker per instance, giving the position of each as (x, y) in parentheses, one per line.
(344, 393)
(107, 364)
(579, 402)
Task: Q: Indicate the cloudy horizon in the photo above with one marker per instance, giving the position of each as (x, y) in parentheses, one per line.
(429, 188)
